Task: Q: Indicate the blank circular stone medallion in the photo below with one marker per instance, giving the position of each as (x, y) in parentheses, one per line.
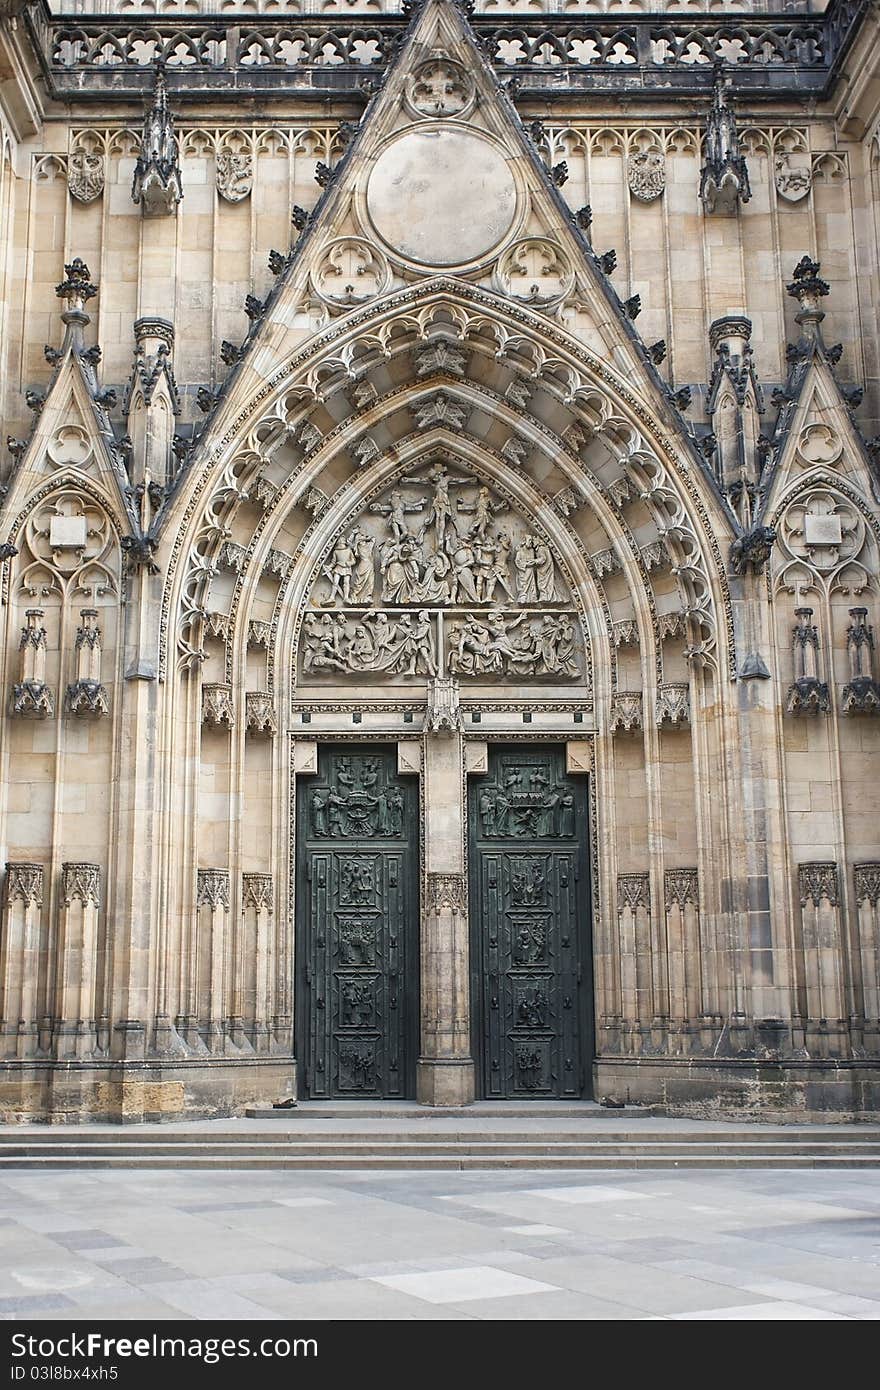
(441, 197)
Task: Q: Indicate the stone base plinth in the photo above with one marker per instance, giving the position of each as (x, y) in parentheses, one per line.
(445, 1081)
(794, 1090)
(131, 1093)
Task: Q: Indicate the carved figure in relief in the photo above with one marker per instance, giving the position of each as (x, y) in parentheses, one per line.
(396, 509)
(531, 1012)
(364, 577)
(356, 1061)
(528, 947)
(318, 805)
(566, 814)
(527, 883)
(324, 643)
(486, 807)
(526, 578)
(357, 1004)
(357, 881)
(529, 1065)
(357, 941)
(463, 577)
(554, 645)
(500, 572)
(457, 555)
(340, 570)
(484, 509)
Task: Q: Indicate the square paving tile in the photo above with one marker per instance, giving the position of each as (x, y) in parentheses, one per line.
(461, 1285)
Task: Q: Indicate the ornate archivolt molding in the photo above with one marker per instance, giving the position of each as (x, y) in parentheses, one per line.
(563, 377)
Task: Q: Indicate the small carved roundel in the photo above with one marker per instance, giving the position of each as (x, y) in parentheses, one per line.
(819, 444)
(440, 87)
(351, 271)
(535, 271)
(70, 445)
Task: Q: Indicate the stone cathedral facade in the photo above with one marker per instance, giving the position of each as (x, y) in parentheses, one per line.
(439, 555)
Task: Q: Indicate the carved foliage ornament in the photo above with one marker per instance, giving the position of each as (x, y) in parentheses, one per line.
(85, 176)
(235, 176)
(646, 175)
(867, 883)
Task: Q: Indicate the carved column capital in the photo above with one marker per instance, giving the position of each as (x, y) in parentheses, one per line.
(633, 891)
(817, 882)
(256, 891)
(681, 886)
(25, 881)
(218, 711)
(868, 883)
(81, 883)
(626, 711)
(446, 891)
(212, 888)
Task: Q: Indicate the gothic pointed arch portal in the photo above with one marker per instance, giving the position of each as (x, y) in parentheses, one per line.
(444, 527)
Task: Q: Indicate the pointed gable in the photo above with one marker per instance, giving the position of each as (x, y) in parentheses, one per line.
(440, 178)
(72, 434)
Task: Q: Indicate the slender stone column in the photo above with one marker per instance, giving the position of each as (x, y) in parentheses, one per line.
(446, 1069)
(20, 958)
(257, 903)
(212, 906)
(77, 961)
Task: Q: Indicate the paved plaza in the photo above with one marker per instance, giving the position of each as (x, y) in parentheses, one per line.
(441, 1245)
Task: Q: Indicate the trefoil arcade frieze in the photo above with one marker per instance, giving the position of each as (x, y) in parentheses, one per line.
(441, 576)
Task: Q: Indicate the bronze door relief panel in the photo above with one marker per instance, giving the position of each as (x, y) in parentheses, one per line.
(531, 995)
(357, 926)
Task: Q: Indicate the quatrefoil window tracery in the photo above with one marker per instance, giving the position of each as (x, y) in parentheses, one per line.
(824, 536)
(69, 546)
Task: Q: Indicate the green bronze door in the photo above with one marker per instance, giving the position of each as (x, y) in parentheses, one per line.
(531, 994)
(357, 925)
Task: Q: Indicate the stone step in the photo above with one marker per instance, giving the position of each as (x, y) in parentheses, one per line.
(92, 1137)
(410, 1110)
(390, 1144)
(452, 1160)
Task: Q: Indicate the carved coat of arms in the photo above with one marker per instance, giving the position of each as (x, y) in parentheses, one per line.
(646, 174)
(793, 176)
(85, 176)
(235, 176)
